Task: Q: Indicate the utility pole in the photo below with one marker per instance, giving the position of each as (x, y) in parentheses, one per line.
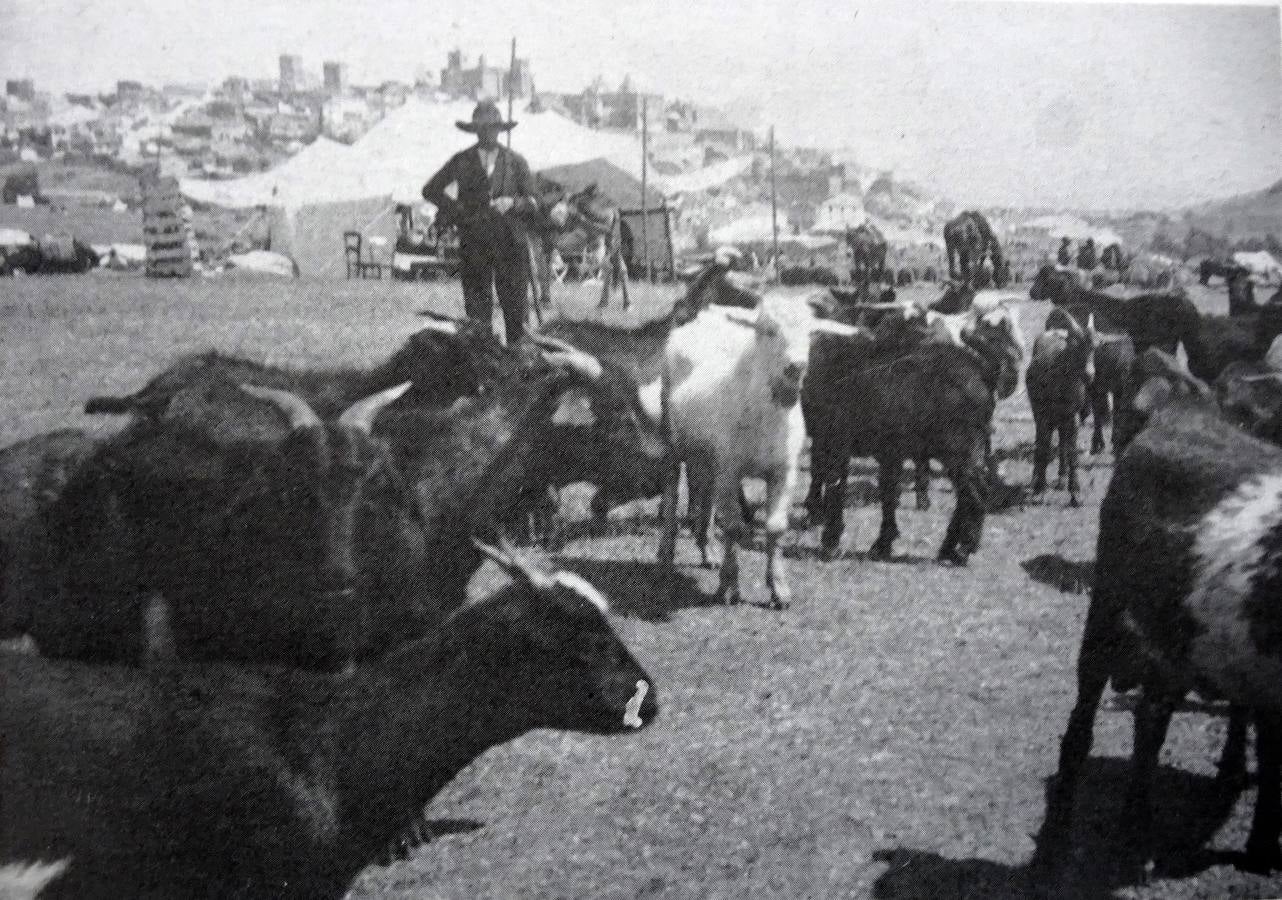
(645, 212)
(774, 202)
(511, 90)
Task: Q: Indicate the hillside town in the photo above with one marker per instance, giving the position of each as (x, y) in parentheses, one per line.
(718, 181)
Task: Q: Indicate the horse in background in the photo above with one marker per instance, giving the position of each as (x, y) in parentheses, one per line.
(969, 238)
(868, 253)
(583, 225)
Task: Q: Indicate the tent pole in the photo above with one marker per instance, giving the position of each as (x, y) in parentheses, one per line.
(774, 203)
(511, 77)
(645, 213)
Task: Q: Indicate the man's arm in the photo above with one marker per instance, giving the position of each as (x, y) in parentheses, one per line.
(434, 190)
(523, 185)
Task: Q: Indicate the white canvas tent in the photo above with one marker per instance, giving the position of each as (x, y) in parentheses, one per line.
(328, 188)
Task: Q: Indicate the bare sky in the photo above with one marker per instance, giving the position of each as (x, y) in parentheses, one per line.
(1072, 104)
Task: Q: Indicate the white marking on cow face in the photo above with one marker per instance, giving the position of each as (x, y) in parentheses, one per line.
(560, 214)
(443, 327)
(1227, 556)
(632, 712)
(575, 410)
(26, 880)
(572, 581)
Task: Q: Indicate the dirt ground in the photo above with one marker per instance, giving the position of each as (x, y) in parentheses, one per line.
(888, 736)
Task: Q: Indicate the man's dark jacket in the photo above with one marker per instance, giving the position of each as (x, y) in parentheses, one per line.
(511, 178)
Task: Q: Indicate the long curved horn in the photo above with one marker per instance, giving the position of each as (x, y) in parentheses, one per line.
(547, 342)
(1255, 379)
(560, 353)
(361, 414)
(515, 565)
(439, 323)
(295, 408)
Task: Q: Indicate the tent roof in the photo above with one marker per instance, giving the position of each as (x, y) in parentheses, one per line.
(708, 177)
(618, 186)
(399, 153)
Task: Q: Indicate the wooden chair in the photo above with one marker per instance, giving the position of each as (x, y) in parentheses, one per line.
(356, 261)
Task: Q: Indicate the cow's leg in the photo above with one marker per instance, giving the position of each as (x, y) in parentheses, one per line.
(1100, 416)
(1068, 456)
(890, 471)
(607, 275)
(726, 510)
(779, 490)
(1262, 854)
(921, 481)
(668, 516)
(700, 478)
(1152, 719)
(969, 476)
(623, 278)
(818, 470)
(1041, 455)
(834, 506)
(1232, 764)
(1075, 746)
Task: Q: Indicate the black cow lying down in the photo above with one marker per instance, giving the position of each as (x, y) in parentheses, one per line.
(260, 782)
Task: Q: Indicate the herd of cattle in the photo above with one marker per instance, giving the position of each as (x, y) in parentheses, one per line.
(307, 538)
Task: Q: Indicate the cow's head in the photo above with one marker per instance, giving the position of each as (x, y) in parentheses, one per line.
(1156, 378)
(307, 496)
(545, 646)
(600, 431)
(995, 335)
(783, 328)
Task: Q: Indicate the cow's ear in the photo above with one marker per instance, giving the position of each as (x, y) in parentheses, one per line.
(1152, 394)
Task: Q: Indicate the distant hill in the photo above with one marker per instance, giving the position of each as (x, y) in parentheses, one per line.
(1244, 216)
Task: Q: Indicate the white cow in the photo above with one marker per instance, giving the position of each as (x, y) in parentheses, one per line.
(1260, 264)
(729, 402)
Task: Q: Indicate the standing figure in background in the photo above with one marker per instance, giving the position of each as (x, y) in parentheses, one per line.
(1065, 256)
(493, 182)
(1086, 256)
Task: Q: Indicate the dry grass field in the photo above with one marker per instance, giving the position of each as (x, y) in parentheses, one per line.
(889, 736)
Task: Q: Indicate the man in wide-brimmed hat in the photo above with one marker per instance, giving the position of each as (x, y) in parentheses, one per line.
(493, 183)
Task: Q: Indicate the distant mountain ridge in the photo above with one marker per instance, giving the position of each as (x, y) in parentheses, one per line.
(1253, 214)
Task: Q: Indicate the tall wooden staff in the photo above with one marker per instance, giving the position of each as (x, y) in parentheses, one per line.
(511, 90)
(645, 212)
(774, 202)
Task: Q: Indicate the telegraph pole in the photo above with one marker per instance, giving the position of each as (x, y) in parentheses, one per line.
(645, 212)
(774, 201)
(511, 90)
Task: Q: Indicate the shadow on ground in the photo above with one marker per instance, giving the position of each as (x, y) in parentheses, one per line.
(640, 589)
(1067, 575)
(1188, 810)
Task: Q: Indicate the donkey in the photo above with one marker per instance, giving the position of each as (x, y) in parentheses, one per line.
(585, 224)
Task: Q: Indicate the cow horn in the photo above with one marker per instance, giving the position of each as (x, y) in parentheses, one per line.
(440, 323)
(295, 408)
(559, 353)
(515, 565)
(361, 414)
(757, 324)
(1265, 376)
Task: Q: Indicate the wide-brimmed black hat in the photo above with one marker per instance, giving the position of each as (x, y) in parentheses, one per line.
(486, 115)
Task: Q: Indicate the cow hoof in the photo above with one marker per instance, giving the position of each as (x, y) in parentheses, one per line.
(953, 558)
(778, 603)
(1073, 501)
(879, 552)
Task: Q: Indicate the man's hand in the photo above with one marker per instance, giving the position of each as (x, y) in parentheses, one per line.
(502, 204)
